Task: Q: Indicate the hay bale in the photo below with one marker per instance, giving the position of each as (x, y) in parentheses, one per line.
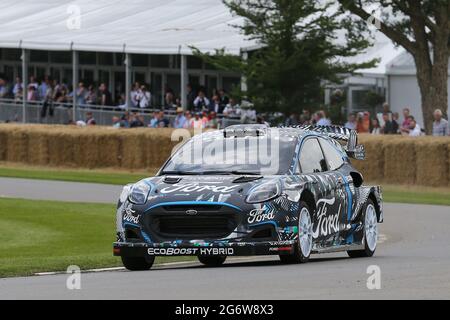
(110, 149)
(432, 167)
(3, 143)
(17, 148)
(372, 167)
(133, 149)
(399, 160)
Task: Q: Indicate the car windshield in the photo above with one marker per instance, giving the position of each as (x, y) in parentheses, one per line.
(249, 155)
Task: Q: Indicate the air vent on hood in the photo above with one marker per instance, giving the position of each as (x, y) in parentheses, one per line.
(171, 180)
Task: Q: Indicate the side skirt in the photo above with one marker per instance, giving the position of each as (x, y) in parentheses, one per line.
(339, 248)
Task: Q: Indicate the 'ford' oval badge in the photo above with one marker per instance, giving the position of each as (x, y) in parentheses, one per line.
(191, 212)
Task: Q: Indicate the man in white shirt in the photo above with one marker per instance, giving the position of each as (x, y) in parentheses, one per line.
(414, 129)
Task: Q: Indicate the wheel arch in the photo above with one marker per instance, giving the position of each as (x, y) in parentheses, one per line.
(308, 197)
(374, 199)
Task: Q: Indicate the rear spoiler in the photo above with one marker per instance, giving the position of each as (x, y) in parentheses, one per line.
(339, 133)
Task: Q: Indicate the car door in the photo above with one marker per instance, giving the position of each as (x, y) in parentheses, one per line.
(335, 161)
(325, 183)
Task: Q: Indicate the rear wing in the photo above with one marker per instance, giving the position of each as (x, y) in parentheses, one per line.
(339, 133)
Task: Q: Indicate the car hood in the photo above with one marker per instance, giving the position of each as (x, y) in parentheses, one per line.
(207, 188)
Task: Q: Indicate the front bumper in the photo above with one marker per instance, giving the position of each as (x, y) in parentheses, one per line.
(128, 249)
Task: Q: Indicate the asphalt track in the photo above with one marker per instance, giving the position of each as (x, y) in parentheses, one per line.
(414, 260)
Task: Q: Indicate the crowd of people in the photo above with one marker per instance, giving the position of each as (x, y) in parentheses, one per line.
(200, 111)
(385, 122)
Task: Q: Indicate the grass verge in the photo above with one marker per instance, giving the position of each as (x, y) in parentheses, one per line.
(39, 236)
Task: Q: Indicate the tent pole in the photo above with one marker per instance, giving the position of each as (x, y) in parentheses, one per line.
(74, 84)
(128, 64)
(184, 81)
(24, 84)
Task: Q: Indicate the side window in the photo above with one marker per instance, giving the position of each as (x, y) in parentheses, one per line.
(333, 157)
(311, 157)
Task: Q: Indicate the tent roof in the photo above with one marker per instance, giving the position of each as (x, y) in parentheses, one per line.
(139, 26)
(142, 26)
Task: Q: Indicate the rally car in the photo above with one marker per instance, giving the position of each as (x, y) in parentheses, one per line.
(252, 190)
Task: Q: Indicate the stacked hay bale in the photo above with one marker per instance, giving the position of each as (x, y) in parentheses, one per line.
(390, 159)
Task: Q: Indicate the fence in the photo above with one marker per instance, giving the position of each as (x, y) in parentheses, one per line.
(12, 111)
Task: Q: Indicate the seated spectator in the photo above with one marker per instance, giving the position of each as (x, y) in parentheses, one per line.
(116, 122)
(196, 122)
(163, 122)
(180, 120)
(90, 120)
(136, 120)
(440, 125)
(188, 122)
(232, 110)
(212, 121)
(351, 122)
(201, 102)
(376, 129)
(387, 125)
(154, 121)
(414, 128)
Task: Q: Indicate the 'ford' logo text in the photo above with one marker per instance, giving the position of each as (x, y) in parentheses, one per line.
(191, 212)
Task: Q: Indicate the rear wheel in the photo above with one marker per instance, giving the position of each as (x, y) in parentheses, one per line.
(138, 263)
(212, 261)
(370, 232)
(303, 248)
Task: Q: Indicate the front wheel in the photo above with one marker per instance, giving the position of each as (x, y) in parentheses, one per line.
(303, 248)
(370, 233)
(137, 263)
(212, 261)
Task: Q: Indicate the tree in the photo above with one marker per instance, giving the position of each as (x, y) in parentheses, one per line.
(422, 27)
(301, 44)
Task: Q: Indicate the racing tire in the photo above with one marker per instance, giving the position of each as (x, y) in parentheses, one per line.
(137, 263)
(370, 232)
(303, 248)
(212, 261)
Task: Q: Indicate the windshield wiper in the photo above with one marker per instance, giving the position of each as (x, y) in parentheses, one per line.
(180, 173)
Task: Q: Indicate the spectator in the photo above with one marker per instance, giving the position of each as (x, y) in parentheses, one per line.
(440, 125)
(395, 123)
(144, 97)
(321, 119)
(188, 122)
(91, 96)
(4, 90)
(169, 101)
(201, 102)
(190, 96)
(90, 120)
(376, 129)
(48, 101)
(180, 120)
(363, 122)
(197, 122)
(18, 88)
(212, 121)
(406, 120)
(205, 119)
(387, 125)
(80, 94)
(116, 122)
(134, 95)
(42, 89)
(154, 121)
(216, 105)
(232, 110)
(33, 83)
(31, 94)
(136, 121)
(223, 100)
(163, 122)
(351, 122)
(105, 95)
(414, 128)
(292, 120)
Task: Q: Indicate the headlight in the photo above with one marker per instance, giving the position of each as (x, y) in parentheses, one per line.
(265, 192)
(139, 192)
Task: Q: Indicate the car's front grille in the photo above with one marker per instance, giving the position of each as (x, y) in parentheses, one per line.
(209, 222)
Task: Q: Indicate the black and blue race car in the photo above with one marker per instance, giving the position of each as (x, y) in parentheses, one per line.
(252, 190)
